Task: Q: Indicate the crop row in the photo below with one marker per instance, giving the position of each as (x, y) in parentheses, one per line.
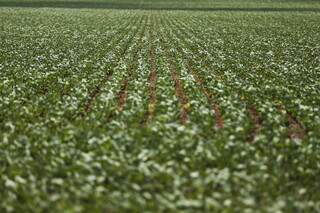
(159, 110)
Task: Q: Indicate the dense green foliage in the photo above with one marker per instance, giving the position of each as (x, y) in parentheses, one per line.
(145, 110)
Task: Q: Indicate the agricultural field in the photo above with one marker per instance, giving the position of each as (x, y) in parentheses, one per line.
(206, 5)
(160, 109)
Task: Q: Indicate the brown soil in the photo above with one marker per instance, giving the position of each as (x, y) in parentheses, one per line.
(218, 117)
(215, 107)
(257, 123)
(152, 80)
(94, 94)
(296, 129)
(122, 95)
(181, 96)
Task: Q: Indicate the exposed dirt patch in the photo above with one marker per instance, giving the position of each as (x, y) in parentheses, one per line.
(122, 95)
(152, 80)
(256, 122)
(181, 96)
(296, 128)
(218, 117)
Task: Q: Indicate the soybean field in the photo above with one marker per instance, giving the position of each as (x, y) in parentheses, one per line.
(159, 106)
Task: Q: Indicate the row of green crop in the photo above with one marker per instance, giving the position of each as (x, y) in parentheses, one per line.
(67, 145)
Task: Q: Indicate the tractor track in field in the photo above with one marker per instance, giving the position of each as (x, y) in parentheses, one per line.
(93, 95)
(181, 95)
(296, 130)
(123, 93)
(214, 106)
(218, 116)
(152, 80)
(179, 92)
(254, 115)
(256, 122)
(152, 91)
